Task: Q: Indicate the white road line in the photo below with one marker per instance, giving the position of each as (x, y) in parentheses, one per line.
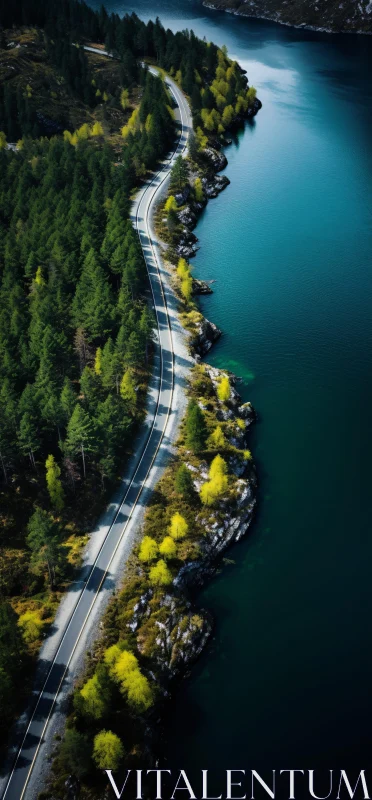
(147, 221)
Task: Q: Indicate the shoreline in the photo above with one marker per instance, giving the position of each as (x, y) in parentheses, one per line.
(302, 27)
(194, 625)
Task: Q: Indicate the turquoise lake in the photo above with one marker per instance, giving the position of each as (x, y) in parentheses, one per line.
(286, 680)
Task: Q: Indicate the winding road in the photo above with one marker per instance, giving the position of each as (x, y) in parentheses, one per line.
(30, 754)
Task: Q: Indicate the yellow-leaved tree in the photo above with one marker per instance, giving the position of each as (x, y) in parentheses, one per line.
(132, 124)
(83, 132)
(148, 549)
(39, 279)
(124, 99)
(182, 268)
(186, 288)
(171, 204)
(98, 361)
(160, 574)
(168, 547)
(201, 138)
(108, 750)
(54, 484)
(128, 391)
(123, 668)
(224, 389)
(139, 692)
(217, 440)
(94, 702)
(212, 490)
(97, 129)
(31, 625)
(124, 664)
(111, 655)
(178, 526)
(198, 189)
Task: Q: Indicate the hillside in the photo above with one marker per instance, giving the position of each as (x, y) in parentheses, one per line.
(331, 15)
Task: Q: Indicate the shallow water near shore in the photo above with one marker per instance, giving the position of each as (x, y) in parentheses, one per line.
(286, 681)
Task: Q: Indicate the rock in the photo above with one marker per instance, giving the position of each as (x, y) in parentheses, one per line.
(180, 632)
(206, 335)
(72, 787)
(200, 287)
(217, 185)
(186, 246)
(181, 197)
(187, 217)
(216, 159)
(254, 108)
(329, 15)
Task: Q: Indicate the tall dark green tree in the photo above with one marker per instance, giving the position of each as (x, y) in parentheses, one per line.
(195, 427)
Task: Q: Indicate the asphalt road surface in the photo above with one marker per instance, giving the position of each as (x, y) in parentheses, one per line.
(27, 758)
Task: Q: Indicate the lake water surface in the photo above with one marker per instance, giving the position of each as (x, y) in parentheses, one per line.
(286, 681)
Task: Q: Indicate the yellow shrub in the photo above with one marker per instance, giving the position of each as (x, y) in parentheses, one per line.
(31, 626)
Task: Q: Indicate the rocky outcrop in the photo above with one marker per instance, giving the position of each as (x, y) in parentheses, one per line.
(214, 187)
(206, 335)
(200, 287)
(186, 246)
(181, 632)
(188, 217)
(327, 15)
(216, 158)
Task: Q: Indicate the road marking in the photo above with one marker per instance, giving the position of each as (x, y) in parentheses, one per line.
(147, 221)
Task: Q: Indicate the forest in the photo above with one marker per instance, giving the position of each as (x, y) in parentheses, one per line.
(76, 329)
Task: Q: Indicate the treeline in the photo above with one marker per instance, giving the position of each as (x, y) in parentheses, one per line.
(150, 632)
(217, 87)
(75, 331)
(75, 341)
(17, 115)
(71, 321)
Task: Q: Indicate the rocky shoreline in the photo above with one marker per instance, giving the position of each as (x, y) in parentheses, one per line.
(184, 630)
(161, 622)
(178, 651)
(294, 18)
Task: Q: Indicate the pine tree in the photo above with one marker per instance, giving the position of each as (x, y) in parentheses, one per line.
(28, 438)
(68, 399)
(81, 436)
(43, 541)
(183, 482)
(75, 753)
(92, 306)
(196, 429)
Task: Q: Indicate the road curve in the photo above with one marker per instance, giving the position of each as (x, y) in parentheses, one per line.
(26, 760)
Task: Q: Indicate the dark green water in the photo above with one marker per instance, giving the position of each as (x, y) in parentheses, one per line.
(286, 681)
